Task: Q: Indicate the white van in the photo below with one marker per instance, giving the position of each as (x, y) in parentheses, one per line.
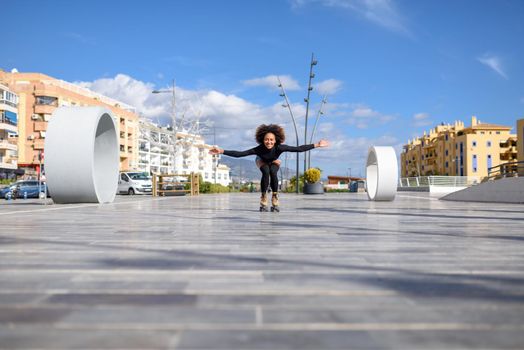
(134, 183)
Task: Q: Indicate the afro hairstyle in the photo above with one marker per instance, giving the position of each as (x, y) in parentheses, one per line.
(275, 129)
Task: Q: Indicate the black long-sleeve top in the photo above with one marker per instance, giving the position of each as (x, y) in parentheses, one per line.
(268, 155)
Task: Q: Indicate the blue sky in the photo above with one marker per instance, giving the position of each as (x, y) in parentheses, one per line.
(390, 68)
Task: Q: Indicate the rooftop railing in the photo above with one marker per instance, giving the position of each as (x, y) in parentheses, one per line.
(510, 169)
(444, 181)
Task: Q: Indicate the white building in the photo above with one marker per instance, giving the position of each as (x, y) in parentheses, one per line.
(8, 132)
(164, 151)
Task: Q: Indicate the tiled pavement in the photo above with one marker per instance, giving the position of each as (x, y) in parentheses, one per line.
(210, 272)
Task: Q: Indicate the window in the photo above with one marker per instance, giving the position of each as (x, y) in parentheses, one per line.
(46, 100)
(489, 161)
(474, 143)
(447, 164)
(446, 153)
(498, 132)
(488, 144)
(446, 137)
(474, 163)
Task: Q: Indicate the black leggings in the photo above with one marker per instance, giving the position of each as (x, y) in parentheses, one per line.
(269, 171)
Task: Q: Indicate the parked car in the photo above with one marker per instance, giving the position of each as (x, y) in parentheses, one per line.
(24, 189)
(357, 186)
(174, 185)
(134, 183)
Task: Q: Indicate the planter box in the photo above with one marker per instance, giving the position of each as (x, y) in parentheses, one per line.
(316, 188)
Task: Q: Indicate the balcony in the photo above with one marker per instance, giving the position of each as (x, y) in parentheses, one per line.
(9, 145)
(8, 163)
(38, 144)
(6, 124)
(40, 126)
(46, 90)
(44, 109)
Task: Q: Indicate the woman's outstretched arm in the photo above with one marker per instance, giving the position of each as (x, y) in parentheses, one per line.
(236, 154)
(304, 148)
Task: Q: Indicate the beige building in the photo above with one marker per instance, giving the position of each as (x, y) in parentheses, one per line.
(520, 145)
(39, 95)
(8, 133)
(456, 150)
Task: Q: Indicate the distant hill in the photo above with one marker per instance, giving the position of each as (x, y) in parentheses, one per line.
(245, 169)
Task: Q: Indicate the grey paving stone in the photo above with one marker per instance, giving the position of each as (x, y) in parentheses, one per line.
(211, 272)
(278, 340)
(49, 338)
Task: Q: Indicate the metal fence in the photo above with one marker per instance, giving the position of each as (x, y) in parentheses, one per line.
(444, 181)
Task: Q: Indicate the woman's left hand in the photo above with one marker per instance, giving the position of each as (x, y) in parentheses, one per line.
(322, 143)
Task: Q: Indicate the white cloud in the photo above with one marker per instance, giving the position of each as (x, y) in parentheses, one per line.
(328, 87)
(83, 39)
(271, 81)
(421, 119)
(128, 90)
(362, 116)
(381, 12)
(236, 119)
(493, 62)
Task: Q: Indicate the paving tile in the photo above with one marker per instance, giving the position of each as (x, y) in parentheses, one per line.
(334, 271)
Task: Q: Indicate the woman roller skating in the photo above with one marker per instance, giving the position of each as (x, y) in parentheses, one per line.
(270, 140)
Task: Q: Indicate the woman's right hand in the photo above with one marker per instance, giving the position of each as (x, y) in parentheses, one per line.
(216, 150)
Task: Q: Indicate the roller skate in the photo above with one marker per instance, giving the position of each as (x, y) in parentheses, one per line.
(274, 202)
(263, 202)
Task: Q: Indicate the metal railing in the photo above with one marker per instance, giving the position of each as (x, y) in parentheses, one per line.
(444, 181)
(510, 169)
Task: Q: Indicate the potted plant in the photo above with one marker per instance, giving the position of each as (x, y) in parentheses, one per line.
(312, 183)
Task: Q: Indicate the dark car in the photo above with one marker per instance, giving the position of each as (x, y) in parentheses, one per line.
(24, 189)
(174, 186)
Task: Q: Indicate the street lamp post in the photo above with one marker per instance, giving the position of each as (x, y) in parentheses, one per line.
(173, 118)
(320, 112)
(171, 91)
(309, 88)
(288, 106)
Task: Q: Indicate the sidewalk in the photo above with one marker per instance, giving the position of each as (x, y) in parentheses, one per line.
(330, 271)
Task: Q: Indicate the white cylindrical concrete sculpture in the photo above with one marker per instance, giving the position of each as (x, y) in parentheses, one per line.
(381, 173)
(81, 155)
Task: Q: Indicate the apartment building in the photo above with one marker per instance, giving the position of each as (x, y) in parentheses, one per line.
(164, 151)
(457, 150)
(39, 95)
(8, 133)
(520, 145)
